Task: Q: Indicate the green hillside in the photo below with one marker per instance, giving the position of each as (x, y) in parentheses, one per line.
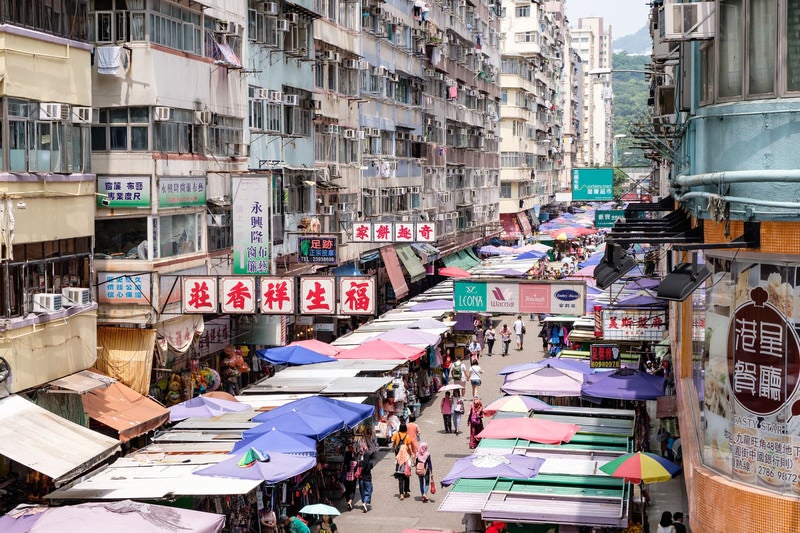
(630, 104)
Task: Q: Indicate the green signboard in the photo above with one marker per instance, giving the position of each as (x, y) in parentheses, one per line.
(592, 184)
(469, 296)
(607, 218)
(123, 191)
(181, 191)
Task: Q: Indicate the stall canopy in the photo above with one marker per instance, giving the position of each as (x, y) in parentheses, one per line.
(395, 271)
(493, 466)
(434, 305)
(205, 407)
(47, 443)
(412, 263)
(417, 337)
(279, 441)
(532, 429)
(293, 355)
(308, 424)
(271, 467)
(82, 382)
(122, 408)
(381, 349)
(546, 381)
(317, 346)
(127, 355)
(626, 384)
(511, 230)
(348, 413)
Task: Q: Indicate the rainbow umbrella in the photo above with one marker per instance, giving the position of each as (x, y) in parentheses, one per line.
(515, 403)
(641, 467)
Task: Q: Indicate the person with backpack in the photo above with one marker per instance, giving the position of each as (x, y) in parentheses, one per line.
(459, 372)
(423, 467)
(402, 437)
(402, 471)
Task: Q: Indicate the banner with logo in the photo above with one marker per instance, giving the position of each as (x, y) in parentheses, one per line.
(592, 184)
(523, 296)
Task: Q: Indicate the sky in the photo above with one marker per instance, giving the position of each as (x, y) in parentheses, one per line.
(624, 16)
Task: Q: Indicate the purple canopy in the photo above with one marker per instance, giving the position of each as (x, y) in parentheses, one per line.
(204, 407)
(641, 300)
(642, 283)
(434, 305)
(507, 272)
(626, 384)
(493, 466)
(530, 254)
(21, 520)
(272, 467)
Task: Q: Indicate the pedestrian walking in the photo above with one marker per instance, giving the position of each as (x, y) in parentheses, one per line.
(475, 422)
(677, 522)
(327, 525)
(505, 338)
(413, 432)
(475, 372)
(474, 348)
(365, 481)
(294, 524)
(544, 334)
(402, 437)
(491, 336)
(458, 410)
(350, 464)
(519, 331)
(423, 467)
(403, 471)
(459, 372)
(446, 364)
(665, 524)
(447, 412)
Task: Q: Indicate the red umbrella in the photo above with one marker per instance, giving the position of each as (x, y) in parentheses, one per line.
(318, 346)
(454, 272)
(532, 429)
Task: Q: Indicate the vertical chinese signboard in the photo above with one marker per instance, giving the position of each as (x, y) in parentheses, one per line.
(751, 400)
(592, 184)
(357, 295)
(251, 246)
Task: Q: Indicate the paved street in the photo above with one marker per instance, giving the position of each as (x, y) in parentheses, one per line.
(389, 514)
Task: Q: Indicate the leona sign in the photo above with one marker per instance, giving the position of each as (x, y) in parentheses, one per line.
(562, 297)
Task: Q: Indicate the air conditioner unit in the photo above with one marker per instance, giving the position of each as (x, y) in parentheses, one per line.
(341, 207)
(363, 64)
(351, 64)
(327, 210)
(429, 72)
(53, 111)
(291, 18)
(688, 21)
(349, 134)
(202, 117)
(379, 71)
(291, 99)
(393, 76)
(386, 192)
(401, 136)
(282, 25)
(224, 27)
(261, 94)
(334, 171)
(377, 11)
(276, 96)
(327, 55)
(74, 296)
(415, 189)
(374, 132)
(161, 113)
(332, 129)
(362, 134)
(47, 303)
(270, 8)
(85, 115)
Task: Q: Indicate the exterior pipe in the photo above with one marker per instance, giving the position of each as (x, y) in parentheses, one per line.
(737, 199)
(739, 176)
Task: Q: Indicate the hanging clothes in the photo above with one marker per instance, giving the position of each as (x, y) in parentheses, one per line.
(452, 92)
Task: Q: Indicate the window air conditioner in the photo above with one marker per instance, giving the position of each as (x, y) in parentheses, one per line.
(379, 71)
(688, 21)
(374, 132)
(386, 192)
(53, 111)
(332, 129)
(46, 303)
(341, 207)
(161, 113)
(291, 18)
(85, 115)
(363, 64)
(349, 134)
(270, 8)
(327, 210)
(74, 296)
(276, 96)
(261, 94)
(415, 189)
(291, 99)
(282, 25)
(429, 72)
(351, 64)
(393, 76)
(401, 136)
(362, 134)
(224, 27)
(334, 171)
(203, 117)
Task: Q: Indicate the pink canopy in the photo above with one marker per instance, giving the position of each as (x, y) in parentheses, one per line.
(318, 346)
(381, 349)
(532, 429)
(410, 336)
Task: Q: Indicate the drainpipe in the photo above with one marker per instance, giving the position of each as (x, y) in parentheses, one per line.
(739, 176)
(736, 199)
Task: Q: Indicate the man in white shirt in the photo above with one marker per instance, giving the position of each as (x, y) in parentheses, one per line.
(519, 331)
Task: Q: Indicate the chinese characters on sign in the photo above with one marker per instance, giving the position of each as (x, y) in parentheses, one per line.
(181, 191)
(200, 294)
(277, 296)
(216, 335)
(238, 294)
(607, 218)
(122, 287)
(604, 356)
(319, 250)
(394, 232)
(251, 250)
(123, 191)
(318, 296)
(592, 184)
(634, 324)
(357, 295)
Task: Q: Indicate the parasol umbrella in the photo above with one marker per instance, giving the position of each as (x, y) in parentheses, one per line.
(204, 407)
(493, 466)
(562, 237)
(279, 441)
(348, 414)
(320, 509)
(318, 346)
(307, 424)
(409, 336)
(515, 403)
(379, 349)
(220, 395)
(454, 272)
(530, 254)
(451, 386)
(272, 467)
(625, 384)
(544, 381)
(532, 429)
(293, 355)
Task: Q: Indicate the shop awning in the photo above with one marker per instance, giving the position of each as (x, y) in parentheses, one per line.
(348, 269)
(125, 410)
(524, 223)
(47, 443)
(470, 258)
(412, 264)
(127, 355)
(80, 382)
(511, 231)
(395, 271)
(426, 252)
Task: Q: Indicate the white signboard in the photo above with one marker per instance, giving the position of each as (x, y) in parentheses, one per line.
(317, 296)
(357, 295)
(238, 294)
(277, 296)
(199, 294)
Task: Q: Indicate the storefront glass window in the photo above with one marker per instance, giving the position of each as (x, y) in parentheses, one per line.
(179, 235)
(121, 238)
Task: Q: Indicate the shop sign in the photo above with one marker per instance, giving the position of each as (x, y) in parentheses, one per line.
(318, 295)
(502, 297)
(116, 192)
(469, 296)
(317, 250)
(170, 287)
(634, 324)
(604, 356)
(216, 336)
(562, 298)
(123, 288)
(238, 294)
(251, 252)
(357, 295)
(181, 191)
(199, 294)
(394, 232)
(566, 297)
(592, 184)
(277, 296)
(607, 218)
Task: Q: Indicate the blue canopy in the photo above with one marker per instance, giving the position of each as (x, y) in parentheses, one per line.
(345, 414)
(530, 254)
(625, 384)
(349, 269)
(306, 424)
(279, 441)
(593, 259)
(293, 355)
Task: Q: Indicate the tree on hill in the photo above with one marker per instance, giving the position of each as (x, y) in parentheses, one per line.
(631, 90)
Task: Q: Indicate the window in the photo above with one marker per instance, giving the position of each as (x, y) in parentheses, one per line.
(297, 120)
(127, 238)
(523, 11)
(122, 22)
(256, 110)
(262, 29)
(180, 234)
(300, 194)
(793, 51)
(178, 27)
(122, 129)
(66, 18)
(121, 238)
(225, 137)
(505, 190)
